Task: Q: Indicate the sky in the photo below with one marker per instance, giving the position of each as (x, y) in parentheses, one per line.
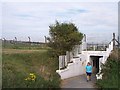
(98, 20)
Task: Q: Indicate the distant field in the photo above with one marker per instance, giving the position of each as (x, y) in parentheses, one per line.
(8, 45)
(13, 51)
(17, 64)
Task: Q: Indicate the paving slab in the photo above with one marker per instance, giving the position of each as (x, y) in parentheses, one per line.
(79, 82)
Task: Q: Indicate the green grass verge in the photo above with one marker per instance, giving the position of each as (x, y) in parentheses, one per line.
(111, 74)
(16, 67)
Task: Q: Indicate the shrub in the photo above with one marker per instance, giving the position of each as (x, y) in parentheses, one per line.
(111, 73)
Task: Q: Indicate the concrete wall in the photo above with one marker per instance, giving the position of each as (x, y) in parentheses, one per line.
(74, 69)
(77, 67)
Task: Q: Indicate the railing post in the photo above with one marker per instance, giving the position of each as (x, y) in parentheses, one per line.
(68, 56)
(71, 56)
(113, 41)
(118, 42)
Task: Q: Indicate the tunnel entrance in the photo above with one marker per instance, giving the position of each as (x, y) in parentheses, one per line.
(95, 63)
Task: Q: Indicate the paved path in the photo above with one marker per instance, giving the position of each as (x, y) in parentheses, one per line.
(79, 82)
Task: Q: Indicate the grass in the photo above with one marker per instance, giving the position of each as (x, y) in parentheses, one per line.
(22, 46)
(111, 73)
(17, 66)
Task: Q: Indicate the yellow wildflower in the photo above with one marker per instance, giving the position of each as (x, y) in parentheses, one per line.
(31, 74)
(31, 77)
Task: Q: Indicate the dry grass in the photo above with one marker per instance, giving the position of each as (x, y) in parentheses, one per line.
(115, 54)
(15, 51)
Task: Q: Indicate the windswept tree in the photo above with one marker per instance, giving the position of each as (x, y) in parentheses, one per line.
(63, 37)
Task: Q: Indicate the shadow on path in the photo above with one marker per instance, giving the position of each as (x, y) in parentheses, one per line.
(79, 82)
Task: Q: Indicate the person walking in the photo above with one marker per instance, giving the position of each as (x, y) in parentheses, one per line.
(88, 71)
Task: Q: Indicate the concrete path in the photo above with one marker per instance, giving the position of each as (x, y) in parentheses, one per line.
(79, 82)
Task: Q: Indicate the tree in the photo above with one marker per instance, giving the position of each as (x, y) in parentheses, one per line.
(63, 37)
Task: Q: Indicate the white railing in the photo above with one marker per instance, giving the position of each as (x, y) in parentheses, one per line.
(73, 62)
(68, 58)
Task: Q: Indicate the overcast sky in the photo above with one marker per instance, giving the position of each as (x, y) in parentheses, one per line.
(98, 20)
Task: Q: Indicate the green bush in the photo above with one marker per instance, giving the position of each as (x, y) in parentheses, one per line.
(111, 74)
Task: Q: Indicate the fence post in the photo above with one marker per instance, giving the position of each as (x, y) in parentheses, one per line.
(75, 51)
(65, 60)
(45, 41)
(60, 62)
(4, 40)
(118, 42)
(71, 56)
(79, 49)
(113, 41)
(68, 56)
(29, 42)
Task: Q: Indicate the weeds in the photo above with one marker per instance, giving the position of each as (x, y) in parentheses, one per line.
(111, 73)
(17, 68)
